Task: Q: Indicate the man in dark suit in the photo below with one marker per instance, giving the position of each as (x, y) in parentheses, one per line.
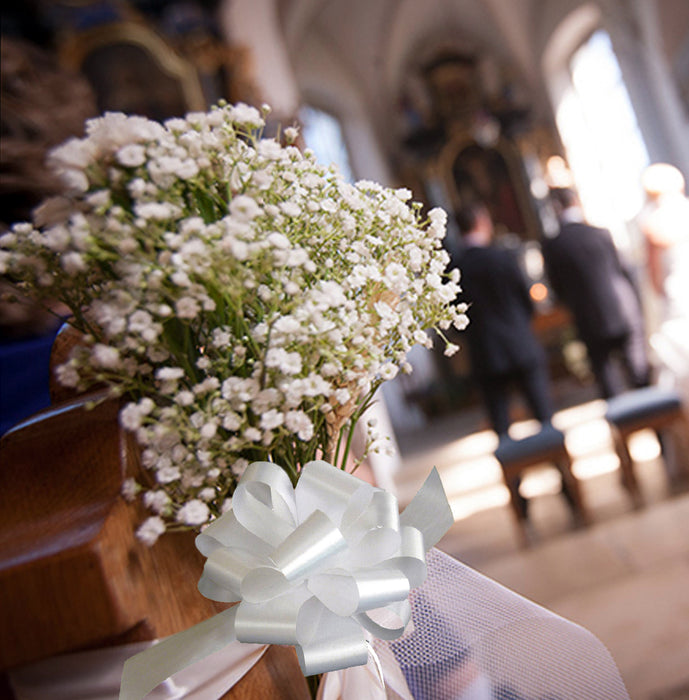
(588, 276)
(503, 348)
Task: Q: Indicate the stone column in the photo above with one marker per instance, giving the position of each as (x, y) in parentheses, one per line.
(255, 24)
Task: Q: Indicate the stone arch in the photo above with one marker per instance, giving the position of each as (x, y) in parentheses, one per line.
(567, 36)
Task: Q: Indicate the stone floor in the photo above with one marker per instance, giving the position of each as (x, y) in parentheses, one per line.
(625, 577)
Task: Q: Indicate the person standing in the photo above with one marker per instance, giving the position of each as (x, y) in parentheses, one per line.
(664, 223)
(589, 277)
(665, 226)
(503, 349)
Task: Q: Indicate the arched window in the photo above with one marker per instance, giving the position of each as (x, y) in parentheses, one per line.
(598, 126)
(322, 133)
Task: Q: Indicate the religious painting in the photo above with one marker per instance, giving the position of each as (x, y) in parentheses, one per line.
(493, 175)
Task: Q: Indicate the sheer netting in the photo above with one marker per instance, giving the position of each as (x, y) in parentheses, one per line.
(472, 639)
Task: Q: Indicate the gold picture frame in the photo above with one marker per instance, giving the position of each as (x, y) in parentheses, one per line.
(134, 70)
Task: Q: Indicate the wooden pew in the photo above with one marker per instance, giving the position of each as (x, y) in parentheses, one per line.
(73, 576)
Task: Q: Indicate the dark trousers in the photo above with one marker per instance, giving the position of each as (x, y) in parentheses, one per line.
(619, 364)
(532, 382)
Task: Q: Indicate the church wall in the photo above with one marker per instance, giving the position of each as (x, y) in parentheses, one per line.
(325, 82)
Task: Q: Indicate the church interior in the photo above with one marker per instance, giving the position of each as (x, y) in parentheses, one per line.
(455, 100)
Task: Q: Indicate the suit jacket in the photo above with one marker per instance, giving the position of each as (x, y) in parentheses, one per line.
(586, 273)
(499, 333)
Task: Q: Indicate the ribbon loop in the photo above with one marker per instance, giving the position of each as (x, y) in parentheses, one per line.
(317, 566)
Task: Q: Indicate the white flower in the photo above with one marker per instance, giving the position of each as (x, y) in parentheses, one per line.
(209, 430)
(272, 419)
(57, 238)
(207, 385)
(132, 155)
(129, 489)
(169, 373)
(239, 467)
(72, 263)
(207, 494)
(194, 512)
(158, 501)
(67, 375)
(342, 396)
(150, 530)
(187, 308)
(278, 240)
(286, 362)
(140, 321)
(388, 371)
(252, 434)
(131, 417)
(231, 421)
(269, 148)
(105, 356)
(167, 474)
(290, 208)
(291, 134)
(157, 211)
(246, 115)
(244, 208)
(298, 422)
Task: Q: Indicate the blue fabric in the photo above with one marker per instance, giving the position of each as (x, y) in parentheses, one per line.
(24, 379)
(640, 404)
(545, 440)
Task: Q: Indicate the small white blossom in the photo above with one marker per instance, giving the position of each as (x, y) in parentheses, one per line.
(185, 398)
(67, 375)
(287, 362)
(239, 467)
(207, 494)
(73, 263)
(272, 419)
(150, 530)
(131, 417)
(132, 155)
(158, 501)
(187, 308)
(167, 373)
(209, 430)
(129, 489)
(298, 422)
(244, 208)
(167, 474)
(194, 512)
(106, 356)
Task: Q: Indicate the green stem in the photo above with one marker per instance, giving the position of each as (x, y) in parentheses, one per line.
(363, 407)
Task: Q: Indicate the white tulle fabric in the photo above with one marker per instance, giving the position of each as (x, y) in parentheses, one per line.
(473, 639)
(469, 639)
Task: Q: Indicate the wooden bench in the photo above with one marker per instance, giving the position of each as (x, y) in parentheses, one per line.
(72, 573)
(546, 446)
(661, 410)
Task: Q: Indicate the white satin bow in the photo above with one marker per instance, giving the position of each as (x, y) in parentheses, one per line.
(315, 567)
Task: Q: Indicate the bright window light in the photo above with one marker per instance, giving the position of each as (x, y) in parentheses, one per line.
(605, 148)
(323, 135)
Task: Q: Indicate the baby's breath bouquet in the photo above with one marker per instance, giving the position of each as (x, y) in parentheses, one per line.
(241, 300)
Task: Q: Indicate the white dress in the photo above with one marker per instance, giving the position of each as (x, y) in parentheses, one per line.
(670, 224)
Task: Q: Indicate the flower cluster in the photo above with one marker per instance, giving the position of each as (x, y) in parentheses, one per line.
(245, 301)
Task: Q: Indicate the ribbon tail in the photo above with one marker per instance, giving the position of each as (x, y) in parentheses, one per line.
(373, 657)
(144, 671)
(429, 511)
